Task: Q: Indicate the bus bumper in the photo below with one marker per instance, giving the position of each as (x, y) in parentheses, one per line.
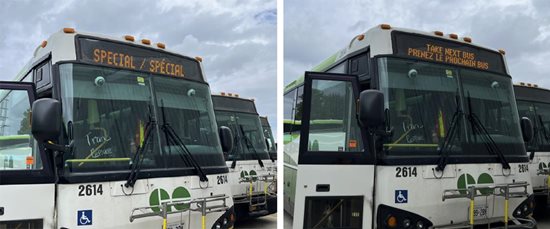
(243, 209)
(528, 223)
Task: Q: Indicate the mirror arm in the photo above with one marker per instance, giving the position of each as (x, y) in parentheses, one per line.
(60, 148)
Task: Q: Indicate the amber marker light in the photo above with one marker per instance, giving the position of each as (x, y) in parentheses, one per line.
(467, 39)
(44, 43)
(438, 33)
(161, 45)
(68, 30)
(453, 36)
(385, 26)
(146, 41)
(198, 58)
(129, 38)
(391, 222)
(501, 51)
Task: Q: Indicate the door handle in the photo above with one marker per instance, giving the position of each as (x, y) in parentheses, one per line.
(322, 188)
(1, 210)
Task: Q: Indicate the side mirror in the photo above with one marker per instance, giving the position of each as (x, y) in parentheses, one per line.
(226, 138)
(371, 109)
(46, 119)
(526, 129)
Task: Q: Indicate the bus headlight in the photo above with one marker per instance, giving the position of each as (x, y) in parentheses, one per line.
(406, 223)
(420, 224)
(390, 217)
(525, 209)
(226, 220)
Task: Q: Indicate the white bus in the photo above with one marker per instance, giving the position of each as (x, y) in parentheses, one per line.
(406, 129)
(271, 144)
(251, 171)
(123, 136)
(534, 102)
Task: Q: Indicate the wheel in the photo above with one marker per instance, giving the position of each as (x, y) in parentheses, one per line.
(541, 204)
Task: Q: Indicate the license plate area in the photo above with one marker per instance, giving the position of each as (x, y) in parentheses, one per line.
(480, 212)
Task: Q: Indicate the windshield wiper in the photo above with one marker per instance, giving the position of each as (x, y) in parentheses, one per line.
(137, 161)
(173, 138)
(250, 147)
(452, 133)
(488, 141)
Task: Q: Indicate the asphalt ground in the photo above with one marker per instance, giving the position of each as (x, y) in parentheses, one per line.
(266, 222)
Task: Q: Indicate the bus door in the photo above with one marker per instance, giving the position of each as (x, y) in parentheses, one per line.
(334, 186)
(26, 181)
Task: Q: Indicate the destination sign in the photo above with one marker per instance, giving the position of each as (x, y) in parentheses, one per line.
(448, 52)
(120, 55)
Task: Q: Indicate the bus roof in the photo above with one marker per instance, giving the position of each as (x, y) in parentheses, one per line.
(264, 121)
(62, 46)
(234, 104)
(531, 92)
(379, 40)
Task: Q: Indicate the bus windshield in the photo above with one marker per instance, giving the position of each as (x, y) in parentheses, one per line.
(106, 112)
(249, 141)
(268, 134)
(539, 113)
(423, 98)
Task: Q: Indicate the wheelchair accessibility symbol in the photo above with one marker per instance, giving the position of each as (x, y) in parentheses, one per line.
(401, 196)
(84, 217)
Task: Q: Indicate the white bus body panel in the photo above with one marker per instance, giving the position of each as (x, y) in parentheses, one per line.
(113, 208)
(28, 201)
(539, 182)
(344, 180)
(241, 189)
(425, 193)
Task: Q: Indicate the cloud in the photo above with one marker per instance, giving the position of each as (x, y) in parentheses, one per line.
(237, 41)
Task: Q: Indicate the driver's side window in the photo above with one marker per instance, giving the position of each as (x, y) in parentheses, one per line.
(17, 149)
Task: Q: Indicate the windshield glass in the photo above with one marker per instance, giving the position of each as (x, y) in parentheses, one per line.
(106, 111)
(539, 114)
(269, 137)
(249, 141)
(423, 97)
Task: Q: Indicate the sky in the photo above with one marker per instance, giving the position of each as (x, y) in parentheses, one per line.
(236, 41)
(313, 30)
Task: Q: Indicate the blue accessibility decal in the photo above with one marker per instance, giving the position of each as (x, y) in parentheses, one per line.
(401, 196)
(84, 217)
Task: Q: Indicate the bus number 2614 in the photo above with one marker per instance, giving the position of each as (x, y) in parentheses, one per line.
(405, 172)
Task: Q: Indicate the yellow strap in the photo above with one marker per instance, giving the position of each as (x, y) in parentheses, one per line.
(506, 211)
(250, 189)
(471, 212)
(98, 160)
(411, 145)
(203, 222)
(164, 223)
(141, 134)
(441, 125)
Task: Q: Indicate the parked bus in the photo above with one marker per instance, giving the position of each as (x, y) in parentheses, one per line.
(123, 135)
(406, 129)
(268, 134)
(251, 172)
(534, 102)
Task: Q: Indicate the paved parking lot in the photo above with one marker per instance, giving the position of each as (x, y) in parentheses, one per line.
(543, 223)
(266, 222)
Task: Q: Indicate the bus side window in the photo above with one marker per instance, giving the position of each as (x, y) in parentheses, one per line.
(288, 107)
(16, 144)
(332, 125)
(359, 65)
(43, 74)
